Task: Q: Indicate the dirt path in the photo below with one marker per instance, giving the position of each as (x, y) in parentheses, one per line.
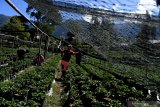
(53, 98)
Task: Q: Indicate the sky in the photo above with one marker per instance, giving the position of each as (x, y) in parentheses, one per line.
(133, 6)
(129, 6)
(7, 10)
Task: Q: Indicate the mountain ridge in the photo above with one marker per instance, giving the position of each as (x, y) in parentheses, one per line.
(3, 19)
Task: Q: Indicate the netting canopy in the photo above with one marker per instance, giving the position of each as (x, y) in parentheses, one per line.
(117, 36)
(102, 28)
(118, 45)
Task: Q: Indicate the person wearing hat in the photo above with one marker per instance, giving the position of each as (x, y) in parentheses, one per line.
(66, 53)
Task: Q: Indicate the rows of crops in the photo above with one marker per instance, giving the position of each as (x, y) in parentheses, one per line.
(27, 88)
(106, 84)
(94, 83)
(10, 65)
(144, 75)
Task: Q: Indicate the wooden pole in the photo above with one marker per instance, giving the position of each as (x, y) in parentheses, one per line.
(46, 47)
(1, 42)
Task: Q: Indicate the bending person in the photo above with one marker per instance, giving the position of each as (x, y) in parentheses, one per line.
(39, 60)
(21, 53)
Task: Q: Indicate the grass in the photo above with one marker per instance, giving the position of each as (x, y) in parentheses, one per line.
(55, 98)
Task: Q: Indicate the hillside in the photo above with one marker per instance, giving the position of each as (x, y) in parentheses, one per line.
(3, 19)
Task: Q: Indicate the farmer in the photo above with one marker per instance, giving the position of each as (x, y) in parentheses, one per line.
(66, 53)
(39, 60)
(21, 53)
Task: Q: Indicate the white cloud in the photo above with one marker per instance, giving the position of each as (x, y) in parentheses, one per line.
(129, 6)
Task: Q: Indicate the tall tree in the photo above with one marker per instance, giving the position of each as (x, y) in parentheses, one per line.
(143, 40)
(74, 29)
(15, 24)
(43, 10)
(41, 21)
(45, 17)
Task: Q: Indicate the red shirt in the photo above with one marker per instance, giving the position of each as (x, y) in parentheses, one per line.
(66, 54)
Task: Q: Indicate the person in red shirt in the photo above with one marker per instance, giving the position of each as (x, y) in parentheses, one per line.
(66, 53)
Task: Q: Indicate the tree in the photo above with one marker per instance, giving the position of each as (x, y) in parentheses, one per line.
(101, 35)
(41, 21)
(15, 24)
(49, 29)
(74, 29)
(144, 46)
(43, 10)
(45, 16)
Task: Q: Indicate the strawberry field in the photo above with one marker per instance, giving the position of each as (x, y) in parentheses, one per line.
(114, 57)
(23, 85)
(113, 85)
(95, 82)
